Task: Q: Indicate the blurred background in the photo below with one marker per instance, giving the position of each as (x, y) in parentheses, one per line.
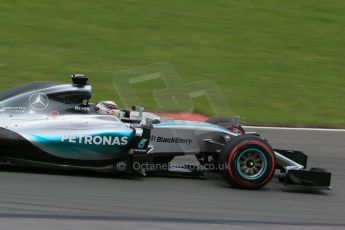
(277, 62)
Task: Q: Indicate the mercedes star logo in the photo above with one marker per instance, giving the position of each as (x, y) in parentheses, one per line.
(39, 101)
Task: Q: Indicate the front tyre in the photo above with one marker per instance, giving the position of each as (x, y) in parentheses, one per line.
(247, 162)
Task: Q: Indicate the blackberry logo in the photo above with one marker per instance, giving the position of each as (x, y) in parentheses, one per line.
(172, 140)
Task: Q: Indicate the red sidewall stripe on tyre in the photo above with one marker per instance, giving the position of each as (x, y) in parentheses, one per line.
(247, 183)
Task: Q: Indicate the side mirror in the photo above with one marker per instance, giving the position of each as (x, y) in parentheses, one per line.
(139, 109)
(236, 122)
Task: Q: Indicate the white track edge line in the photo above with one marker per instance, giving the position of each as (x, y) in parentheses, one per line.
(296, 129)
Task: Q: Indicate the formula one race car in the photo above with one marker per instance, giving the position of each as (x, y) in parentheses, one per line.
(53, 125)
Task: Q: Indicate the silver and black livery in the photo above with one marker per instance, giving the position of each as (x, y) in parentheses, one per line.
(53, 125)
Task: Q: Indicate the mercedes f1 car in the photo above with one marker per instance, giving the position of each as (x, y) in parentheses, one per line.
(54, 125)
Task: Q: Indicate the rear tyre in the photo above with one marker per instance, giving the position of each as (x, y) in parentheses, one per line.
(247, 162)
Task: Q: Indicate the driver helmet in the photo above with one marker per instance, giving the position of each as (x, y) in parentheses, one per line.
(107, 108)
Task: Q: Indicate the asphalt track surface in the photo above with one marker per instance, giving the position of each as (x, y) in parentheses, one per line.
(36, 199)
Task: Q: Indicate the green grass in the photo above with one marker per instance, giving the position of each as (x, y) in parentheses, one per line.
(277, 61)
